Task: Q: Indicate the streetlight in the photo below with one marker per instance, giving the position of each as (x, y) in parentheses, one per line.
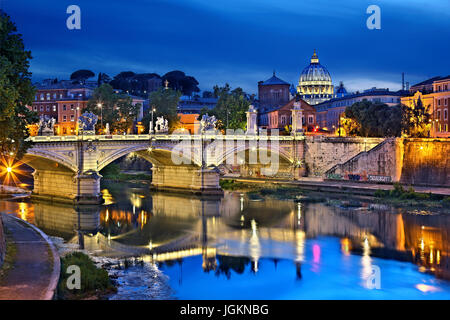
(101, 113)
(153, 110)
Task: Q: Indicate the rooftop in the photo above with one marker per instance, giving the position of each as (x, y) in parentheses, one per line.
(274, 80)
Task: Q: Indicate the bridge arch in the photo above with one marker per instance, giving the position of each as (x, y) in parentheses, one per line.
(224, 156)
(157, 155)
(48, 160)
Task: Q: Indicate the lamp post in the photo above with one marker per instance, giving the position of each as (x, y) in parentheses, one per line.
(153, 110)
(101, 114)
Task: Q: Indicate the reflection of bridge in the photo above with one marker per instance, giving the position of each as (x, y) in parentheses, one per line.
(67, 167)
(234, 227)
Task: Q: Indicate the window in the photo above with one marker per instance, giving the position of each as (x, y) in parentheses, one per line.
(283, 119)
(445, 102)
(47, 108)
(60, 95)
(445, 114)
(41, 108)
(72, 118)
(64, 118)
(310, 119)
(54, 108)
(35, 108)
(64, 107)
(438, 114)
(42, 96)
(64, 129)
(439, 102)
(71, 107)
(54, 96)
(48, 96)
(445, 87)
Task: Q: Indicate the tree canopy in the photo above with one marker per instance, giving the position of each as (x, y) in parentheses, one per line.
(179, 81)
(369, 119)
(116, 109)
(231, 107)
(416, 120)
(165, 103)
(81, 75)
(16, 91)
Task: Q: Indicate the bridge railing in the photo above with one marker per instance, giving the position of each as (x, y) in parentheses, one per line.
(143, 137)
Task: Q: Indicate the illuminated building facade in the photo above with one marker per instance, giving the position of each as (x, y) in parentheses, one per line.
(329, 112)
(436, 97)
(314, 85)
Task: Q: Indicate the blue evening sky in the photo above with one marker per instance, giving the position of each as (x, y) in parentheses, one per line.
(239, 41)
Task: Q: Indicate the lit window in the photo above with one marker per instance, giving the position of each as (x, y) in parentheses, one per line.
(42, 108)
(47, 108)
(72, 117)
(64, 118)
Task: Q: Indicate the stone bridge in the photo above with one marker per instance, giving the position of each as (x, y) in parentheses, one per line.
(67, 167)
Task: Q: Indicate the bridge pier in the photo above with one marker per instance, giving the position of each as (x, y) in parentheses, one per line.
(186, 178)
(64, 186)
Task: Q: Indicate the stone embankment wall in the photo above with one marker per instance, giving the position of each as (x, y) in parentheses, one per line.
(2, 242)
(409, 161)
(321, 153)
(426, 162)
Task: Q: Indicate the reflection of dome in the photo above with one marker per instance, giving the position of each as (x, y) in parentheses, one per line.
(314, 85)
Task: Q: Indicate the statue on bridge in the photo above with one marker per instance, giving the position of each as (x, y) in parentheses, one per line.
(208, 123)
(87, 122)
(46, 125)
(161, 125)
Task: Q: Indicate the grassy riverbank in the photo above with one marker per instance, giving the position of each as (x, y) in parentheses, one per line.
(112, 172)
(398, 197)
(94, 282)
(10, 256)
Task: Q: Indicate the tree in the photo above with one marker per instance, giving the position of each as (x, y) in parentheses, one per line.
(165, 103)
(416, 120)
(16, 92)
(103, 78)
(231, 107)
(179, 81)
(116, 109)
(81, 75)
(369, 119)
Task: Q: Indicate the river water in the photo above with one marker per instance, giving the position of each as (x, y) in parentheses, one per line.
(172, 246)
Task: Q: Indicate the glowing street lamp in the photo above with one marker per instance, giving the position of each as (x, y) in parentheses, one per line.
(101, 113)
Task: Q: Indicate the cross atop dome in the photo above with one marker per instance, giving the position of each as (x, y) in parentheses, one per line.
(314, 58)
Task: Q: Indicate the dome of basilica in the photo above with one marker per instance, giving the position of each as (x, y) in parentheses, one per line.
(314, 85)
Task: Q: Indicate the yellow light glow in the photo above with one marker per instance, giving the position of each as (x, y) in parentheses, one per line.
(9, 169)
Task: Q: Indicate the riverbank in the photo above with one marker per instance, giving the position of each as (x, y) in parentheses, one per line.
(8, 191)
(33, 266)
(318, 190)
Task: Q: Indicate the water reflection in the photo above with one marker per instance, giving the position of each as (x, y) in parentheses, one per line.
(233, 236)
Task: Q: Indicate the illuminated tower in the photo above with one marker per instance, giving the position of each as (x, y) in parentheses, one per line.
(314, 85)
